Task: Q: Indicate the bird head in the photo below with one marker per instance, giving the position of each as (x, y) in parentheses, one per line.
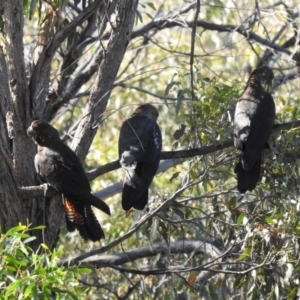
(147, 110)
(42, 133)
(264, 75)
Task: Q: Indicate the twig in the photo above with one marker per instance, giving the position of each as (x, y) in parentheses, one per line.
(193, 49)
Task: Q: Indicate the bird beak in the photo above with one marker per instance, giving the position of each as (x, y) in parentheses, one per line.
(31, 132)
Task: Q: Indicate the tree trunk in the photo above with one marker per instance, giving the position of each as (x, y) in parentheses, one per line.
(22, 101)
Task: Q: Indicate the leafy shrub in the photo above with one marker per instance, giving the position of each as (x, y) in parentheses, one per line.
(25, 274)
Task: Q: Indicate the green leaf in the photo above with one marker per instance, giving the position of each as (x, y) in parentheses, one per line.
(84, 270)
(37, 227)
(15, 229)
(174, 175)
(193, 174)
(30, 290)
(149, 16)
(269, 220)
(10, 259)
(139, 17)
(168, 88)
(245, 254)
(45, 246)
(240, 218)
(63, 291)
(13, 287)
(150, 4)
(180, 96)
(25, 7)
(22, 235)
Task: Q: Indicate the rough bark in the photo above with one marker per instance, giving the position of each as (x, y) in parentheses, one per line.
(17, 170)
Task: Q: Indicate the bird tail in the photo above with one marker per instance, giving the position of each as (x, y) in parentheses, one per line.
(134, 197)
(247, 179)
(81, 217)
(92, 200)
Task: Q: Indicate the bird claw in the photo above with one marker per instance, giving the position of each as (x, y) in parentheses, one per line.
(128, 161)
(128, 212)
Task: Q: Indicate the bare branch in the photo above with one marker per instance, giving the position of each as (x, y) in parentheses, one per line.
(80, 79)
(40, 74)
(145, 218)
(172, 158)
(166, 22)
(157, 96)
(177, 269)
(187, 153)
(178, 247)
(38, 191)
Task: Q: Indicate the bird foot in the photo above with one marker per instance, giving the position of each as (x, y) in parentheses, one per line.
(128, 212)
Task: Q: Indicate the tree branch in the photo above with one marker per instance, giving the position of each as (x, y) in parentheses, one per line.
(145, 218)
(156, 96)
(172, 158)
(177, 269)
(38, 191)
(178, 247)
(190, 152)
(82, 77)
(40, 74)
(166, 22)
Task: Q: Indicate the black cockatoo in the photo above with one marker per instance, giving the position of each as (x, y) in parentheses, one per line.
(253, 123)
(140, 145)
(60, 167)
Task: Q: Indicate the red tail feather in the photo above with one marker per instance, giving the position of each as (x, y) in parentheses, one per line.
(81, 217)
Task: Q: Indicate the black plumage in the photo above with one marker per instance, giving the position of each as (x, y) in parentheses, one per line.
(253, 123)
(60, 167)
(140, 145)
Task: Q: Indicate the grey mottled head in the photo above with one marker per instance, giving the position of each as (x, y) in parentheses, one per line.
(262, 75)
(147, 110)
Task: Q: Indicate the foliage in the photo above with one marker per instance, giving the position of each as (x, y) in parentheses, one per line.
(26, 274)
(245, 246)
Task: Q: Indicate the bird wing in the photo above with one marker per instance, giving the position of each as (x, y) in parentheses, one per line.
(262, 122)
(62, 172)
(254, 120)
(60, 167)
(67, 177)
(140, 141)
(140, 144)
